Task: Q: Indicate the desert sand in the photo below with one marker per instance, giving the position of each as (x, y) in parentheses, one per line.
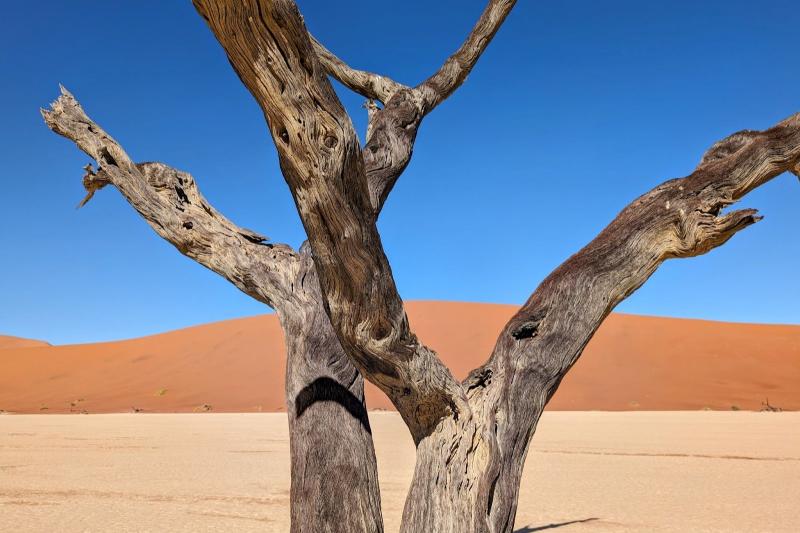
(592, 472)
(633, 363)
(7, 341)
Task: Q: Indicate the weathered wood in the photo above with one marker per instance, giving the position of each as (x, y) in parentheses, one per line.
(373, 86)
(392, 129)
(470, 453)
(172, 205)
(334, 479)
(455, 70)
(539, 345)
(339, 305)
(680, 218)
(320, 157)
(324, 392)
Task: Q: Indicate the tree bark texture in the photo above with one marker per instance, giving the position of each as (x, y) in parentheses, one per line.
(338, 187)
(471, 437)
(337, 300)
(330, 437)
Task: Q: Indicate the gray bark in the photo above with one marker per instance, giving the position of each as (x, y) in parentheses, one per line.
(339, 188)
(334, 479)
(324, 392)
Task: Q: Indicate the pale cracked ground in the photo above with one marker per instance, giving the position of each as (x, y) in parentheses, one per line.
(590, 472)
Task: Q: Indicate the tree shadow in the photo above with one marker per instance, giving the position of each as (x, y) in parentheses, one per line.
(328, 390)
(531, 529)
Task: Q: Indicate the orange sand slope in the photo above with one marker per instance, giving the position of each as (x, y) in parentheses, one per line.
(632, 363)
(7, 341)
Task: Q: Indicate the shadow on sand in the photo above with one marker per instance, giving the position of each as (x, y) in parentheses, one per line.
(531, 529)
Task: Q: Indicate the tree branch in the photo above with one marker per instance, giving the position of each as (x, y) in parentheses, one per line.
(680, 218)
(172, 205)
(368, 84)
(393, 129)
(538, 346)
(340, 189)
(390, 142)
(455, 70)
(269, 47)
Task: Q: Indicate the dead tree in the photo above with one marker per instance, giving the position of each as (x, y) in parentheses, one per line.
(336, 297)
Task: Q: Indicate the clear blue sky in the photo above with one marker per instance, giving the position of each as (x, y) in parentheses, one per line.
(576, 108)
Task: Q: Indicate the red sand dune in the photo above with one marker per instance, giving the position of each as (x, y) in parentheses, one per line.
(7, 341)
(633, 363)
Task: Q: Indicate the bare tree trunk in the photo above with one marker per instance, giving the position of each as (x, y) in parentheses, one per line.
(334, 478)
(467, 476)
(334, 474)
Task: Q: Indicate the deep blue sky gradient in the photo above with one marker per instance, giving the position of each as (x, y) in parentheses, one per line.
(576, 108)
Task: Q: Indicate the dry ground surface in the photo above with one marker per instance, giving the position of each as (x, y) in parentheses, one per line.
(588, 471)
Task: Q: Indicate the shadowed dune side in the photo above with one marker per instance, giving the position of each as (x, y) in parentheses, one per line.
(633, 363)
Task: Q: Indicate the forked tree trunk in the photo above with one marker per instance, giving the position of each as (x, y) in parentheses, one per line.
(472, 437)
(339, 306)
